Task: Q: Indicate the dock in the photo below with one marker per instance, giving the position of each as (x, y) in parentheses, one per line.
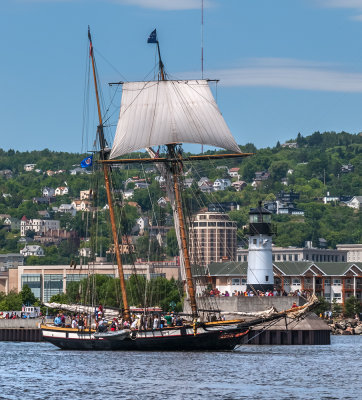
(20, 330)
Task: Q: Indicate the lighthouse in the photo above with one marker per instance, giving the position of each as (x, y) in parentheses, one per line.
(260, 262)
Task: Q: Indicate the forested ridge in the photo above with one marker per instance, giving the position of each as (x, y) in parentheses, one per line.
(310, 166)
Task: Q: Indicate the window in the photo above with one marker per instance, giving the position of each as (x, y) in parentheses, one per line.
(245, 258)
(290, 257)
(34, 282)
(157, 275)
(327, 296)
(243, 281)
(337, 282)
(284, 257)
(327, 282)
(235, 281)
(278, 257)
(296, 282)
(295, 257)
(254, 241)
(75, 277)
(337, 296)
(53, 284)
(266, 278)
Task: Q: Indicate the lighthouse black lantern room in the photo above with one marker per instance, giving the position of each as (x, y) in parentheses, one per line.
(260, 263)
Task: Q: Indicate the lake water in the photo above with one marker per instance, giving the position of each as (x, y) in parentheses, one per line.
(41, 371)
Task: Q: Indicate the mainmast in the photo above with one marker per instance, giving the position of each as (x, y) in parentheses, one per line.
(103, 156)
(176, 170)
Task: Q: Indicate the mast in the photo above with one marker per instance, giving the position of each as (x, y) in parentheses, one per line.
(102, 144)
(175, 170)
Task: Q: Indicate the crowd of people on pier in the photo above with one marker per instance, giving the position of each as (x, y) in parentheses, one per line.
(98, 322)
(215, 292)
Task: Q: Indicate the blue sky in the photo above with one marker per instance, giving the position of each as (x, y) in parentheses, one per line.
(285, 66)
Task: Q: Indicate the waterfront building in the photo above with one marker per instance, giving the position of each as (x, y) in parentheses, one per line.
(48, 280)
(212, 238)
(333, 281)
(301, 254)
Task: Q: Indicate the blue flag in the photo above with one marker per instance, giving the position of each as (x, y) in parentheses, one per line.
(153, 37)
(87, 162)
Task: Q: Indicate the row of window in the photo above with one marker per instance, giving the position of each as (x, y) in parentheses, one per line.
(222, 224)
(298, 257)
(295, 281)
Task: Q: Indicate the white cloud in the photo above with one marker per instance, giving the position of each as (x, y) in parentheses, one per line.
(166, 4)
(290, 74)
(355, 4)
(154, 4)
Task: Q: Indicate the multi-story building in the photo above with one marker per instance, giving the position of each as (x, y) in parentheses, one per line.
(354, 252)
(48, 280)
(331, 280)
(38, 225)
(300, 254)
(212, 238)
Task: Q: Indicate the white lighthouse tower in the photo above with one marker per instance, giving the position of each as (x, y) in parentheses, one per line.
(260, 263)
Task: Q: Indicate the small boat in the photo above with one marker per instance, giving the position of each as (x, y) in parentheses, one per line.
(164, 113)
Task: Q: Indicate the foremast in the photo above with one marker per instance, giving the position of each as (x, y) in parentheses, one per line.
(103, 157)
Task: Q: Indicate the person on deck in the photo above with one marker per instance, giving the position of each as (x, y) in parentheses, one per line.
(57, 320)
(62, 318)
(168, 319)
(102, 327)
(81, 322)
(74, 322)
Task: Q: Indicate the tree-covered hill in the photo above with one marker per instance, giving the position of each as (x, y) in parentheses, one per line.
(310, 166)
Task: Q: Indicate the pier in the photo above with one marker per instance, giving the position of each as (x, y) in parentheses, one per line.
(310, 330)
(20, 330)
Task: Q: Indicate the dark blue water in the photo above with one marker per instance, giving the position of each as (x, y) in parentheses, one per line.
(41, 371)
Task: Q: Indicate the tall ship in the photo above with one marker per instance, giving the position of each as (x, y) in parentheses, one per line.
(163, 113)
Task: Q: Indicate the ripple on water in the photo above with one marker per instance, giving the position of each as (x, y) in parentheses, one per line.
(41, 371)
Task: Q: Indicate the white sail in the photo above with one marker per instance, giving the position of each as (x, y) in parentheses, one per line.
(163, 112)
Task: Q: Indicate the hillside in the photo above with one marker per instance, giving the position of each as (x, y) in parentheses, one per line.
(311, 167)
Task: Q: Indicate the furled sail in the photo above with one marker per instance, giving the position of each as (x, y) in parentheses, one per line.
(163, 112)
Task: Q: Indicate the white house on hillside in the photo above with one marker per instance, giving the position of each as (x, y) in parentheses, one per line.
(29, 167)
(81, 205)
(61, 191)
(48, 192)
(234, 172)
(32, 250)
(355, 202)
(221, 184)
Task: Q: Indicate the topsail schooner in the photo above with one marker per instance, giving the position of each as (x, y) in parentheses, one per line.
(163, 113)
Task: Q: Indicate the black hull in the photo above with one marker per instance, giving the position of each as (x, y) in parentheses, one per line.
(209, 341)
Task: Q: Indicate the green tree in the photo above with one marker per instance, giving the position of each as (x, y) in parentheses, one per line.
(27, 296)
(352, 306)
(172, 249)
(323, 305)
(336, 308)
